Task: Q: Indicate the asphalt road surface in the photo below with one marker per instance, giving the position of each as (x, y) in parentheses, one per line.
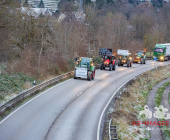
(69, 110)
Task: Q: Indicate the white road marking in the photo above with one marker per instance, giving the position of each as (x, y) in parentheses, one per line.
(79, 93)
(32, 100)
(64, 108)
(91, 85)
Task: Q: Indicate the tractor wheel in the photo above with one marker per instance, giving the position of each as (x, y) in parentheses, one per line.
(144, 61)
(114, 66)
(141, 61)
(119, 63)
(89, 75)
(93, 75)
(110, 67)
(101, 66)
(75, 75)
(128, 64)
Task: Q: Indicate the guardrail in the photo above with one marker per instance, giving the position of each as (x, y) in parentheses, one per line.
(149, 57)
(30, 92)
(11, 104)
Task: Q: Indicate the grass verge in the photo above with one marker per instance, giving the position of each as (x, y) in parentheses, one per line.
(159, 93)
(132, 101)
(14, 83)
(158, 99)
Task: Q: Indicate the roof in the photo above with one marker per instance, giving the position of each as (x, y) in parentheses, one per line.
(140, 51)
(164, 44)
(36, 11)
(161, 45)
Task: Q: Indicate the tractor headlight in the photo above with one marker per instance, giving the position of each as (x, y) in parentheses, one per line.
(161, 58)
(91, 64)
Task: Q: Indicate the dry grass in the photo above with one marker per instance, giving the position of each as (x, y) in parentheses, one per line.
(27, 85)
(132, 101)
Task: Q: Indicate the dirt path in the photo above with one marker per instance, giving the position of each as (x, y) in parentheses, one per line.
(165, 100)
(155, 130)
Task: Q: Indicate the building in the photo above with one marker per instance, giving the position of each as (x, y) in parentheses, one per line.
(52, 5)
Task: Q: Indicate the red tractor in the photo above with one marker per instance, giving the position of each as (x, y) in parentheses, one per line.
(109, 60)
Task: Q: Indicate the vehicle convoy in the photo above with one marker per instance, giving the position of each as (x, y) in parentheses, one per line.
(162, 52)
(140, 57)
(108, 60)
(84, 68)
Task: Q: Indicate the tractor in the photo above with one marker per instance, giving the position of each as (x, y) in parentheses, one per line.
(125, 59)
(84, 68)
(140, 57)
(108, 60)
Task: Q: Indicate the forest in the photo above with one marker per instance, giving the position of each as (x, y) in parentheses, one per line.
(45, 47)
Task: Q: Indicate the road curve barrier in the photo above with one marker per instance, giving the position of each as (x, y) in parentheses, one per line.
(11, 104)
(14, 102)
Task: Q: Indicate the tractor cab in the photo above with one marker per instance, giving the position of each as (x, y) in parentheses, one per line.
(140, 54)
(108, 59)
(84, 62)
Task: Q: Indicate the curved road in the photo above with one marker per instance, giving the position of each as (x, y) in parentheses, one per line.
(69, 110)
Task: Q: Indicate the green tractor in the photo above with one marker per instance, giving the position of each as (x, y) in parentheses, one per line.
(140, 57)
(84, 68)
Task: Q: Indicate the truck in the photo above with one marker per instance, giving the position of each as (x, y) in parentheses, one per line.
(162, 52)
(84, 68)
(140, 57)
(108, 59)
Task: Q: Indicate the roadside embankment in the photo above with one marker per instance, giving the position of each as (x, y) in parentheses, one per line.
(124, 111)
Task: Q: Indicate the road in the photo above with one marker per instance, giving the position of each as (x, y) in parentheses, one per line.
(69, 110)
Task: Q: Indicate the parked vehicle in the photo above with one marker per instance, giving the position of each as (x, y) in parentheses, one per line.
(162, 52)
(84, 68)
(125, 59)
(108, 60)
(140, 57)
